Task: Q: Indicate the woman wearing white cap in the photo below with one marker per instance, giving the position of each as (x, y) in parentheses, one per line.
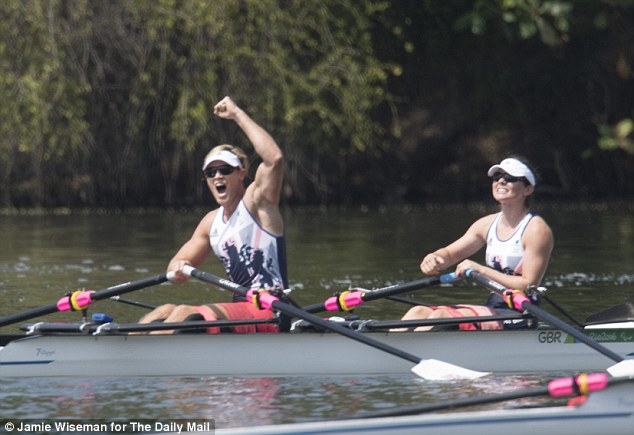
(246, 231)
(518, 247)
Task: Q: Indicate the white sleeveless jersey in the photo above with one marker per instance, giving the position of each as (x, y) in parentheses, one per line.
(506, 255)
(251, 256)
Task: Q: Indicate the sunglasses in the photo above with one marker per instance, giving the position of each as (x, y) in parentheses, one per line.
(508, 178)
(224, 170)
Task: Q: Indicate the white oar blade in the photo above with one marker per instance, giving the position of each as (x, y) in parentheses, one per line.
(435, 370)
(623, 369)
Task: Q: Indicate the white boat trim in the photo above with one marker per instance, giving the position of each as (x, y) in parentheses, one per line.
(616, 325)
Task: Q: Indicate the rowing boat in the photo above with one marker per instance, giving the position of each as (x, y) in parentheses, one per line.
(304, 352)
(610, 411)
(101, 348)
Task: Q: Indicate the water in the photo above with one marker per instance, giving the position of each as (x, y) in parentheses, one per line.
(235, 401)
(44, 255)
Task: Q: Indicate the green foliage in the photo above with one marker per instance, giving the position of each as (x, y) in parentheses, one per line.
(43, 121)
(312, 82)
(110, 102)
(617, 136)
(523, 19)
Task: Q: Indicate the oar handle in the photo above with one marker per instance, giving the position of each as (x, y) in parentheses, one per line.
(520, 302)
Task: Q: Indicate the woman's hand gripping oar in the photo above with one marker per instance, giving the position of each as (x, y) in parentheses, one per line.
(429, 369)
(520, 302)
(80, 299)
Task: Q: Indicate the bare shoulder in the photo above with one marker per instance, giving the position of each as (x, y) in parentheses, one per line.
(538, 229)
(205, 223)
(488, 219)
(211, 215)
(482, 225)
(537, 223)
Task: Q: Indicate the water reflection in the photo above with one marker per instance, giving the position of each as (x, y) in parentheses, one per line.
(44, 256)
(235, 401)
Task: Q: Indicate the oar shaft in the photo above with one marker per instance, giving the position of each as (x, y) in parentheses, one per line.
(545, 316)
(95, 296)
(561, 310)
(430, 369)
(361, 296)
(301, 314)
(585, 384)
(30, 314)
(110, 328)
(128, 287)
(405, 287)
(457, 403)
(453, 321)
(133, 303)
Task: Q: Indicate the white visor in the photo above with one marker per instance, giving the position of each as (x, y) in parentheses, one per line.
(223, 156)
(515, 168)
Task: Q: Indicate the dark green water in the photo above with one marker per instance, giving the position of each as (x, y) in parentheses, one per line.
(44, 255)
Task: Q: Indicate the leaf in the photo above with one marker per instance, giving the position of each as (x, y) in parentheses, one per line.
(624, 128)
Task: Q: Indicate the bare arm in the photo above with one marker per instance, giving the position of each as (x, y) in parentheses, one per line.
(262, 197)
(538, 245)
(194, 251)
(472, 241)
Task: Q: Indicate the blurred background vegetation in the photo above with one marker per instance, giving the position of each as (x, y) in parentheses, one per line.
(109, 103)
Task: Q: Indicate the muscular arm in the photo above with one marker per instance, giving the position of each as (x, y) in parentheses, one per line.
(262, 197)
(472, 241)
(194, 251)
(538, 245)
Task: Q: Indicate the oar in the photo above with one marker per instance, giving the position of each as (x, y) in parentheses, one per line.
(347, 300)
(561, 310)
(111, 328)
(429, 369)
(373, 325)
(81, 299)
(407, 301)
(563, 387)
(133, 303)
(521, 303)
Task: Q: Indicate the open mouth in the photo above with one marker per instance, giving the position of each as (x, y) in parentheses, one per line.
(221, 188)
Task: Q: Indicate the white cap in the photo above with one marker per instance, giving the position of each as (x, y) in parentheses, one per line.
(224, 156)
(515, 168)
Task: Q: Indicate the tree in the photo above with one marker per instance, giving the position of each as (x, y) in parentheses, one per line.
(42, 125)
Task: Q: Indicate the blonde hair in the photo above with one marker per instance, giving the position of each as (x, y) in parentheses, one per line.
(234, 150)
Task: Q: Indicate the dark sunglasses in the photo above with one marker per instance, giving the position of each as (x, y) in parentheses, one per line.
(224, 170)
(508, 178)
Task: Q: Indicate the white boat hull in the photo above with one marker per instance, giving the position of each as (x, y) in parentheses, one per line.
(303, 353)
(606, 412)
